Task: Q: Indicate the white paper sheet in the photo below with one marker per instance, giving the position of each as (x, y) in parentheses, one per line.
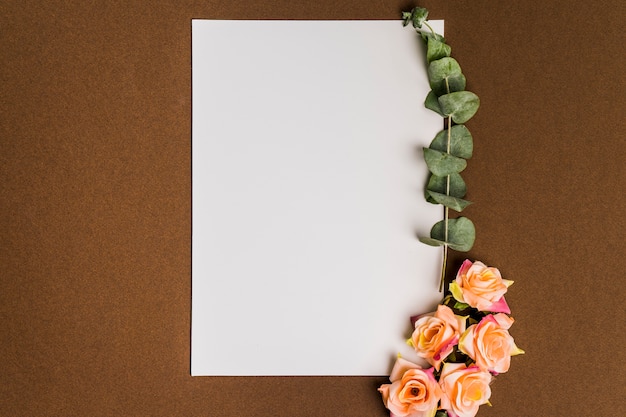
(308, 182)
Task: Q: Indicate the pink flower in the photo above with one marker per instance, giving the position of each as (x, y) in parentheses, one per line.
(464, 389)
(413, 392)
(489, 343)
(481, 287)
(436, 334)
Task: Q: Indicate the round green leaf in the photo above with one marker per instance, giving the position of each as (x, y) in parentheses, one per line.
(460, 105)
(437, 49)
(442, 68)
(440, 184)
(461, 233)
(432, 103)
(442, 163)
(454, 203)
(445, 76)
(461, 141)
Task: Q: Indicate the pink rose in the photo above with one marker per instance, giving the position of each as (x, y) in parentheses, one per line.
(413, 392)
(489, 343)
(481, 287)
(436, 334)
(464, 389)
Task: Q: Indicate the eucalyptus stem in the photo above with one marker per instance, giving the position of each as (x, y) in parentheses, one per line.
(445, 258)
(446, 210)
(431, 28)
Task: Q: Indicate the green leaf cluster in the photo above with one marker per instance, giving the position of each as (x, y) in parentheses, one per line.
(447, 155)
(448, 96)
(417, 17)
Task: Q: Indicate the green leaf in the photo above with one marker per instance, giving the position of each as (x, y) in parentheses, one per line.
(406, 18)
(431, 242)
(443, 68)
(461, 306)
(440, 184)
(461, 141)
(436, 49)
(427, 36)
(454, 203)
(432, 103)
(461, 233)
(442, 163)
(471, 320)
(441, 413)
(417, 16)
(460, 106)
(445, 76)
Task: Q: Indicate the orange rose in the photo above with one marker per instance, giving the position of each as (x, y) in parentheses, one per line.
(490, 344)
(435, 335)
(481, 287)
(413, 392)
(464, 389)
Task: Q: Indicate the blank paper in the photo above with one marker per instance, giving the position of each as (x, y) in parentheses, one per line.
(308, 196)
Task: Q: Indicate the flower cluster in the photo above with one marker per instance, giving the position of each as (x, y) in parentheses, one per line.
(466, 342)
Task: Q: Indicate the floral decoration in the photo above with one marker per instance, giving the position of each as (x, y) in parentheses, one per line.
(465, 345)
(466, 341)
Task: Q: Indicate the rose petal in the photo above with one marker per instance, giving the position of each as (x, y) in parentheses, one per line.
(384, 392)
(445, 351)
(400, 367)
(503, 320)
(415, 318)
(465, 266)
(466, 342)
(499, 306)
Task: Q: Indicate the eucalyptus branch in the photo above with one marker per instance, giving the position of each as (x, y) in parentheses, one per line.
(447, 154)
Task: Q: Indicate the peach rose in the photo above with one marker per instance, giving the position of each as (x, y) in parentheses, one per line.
(489, 343)
(413, 392)
(481, 287)
(464, 389)
(436, 334)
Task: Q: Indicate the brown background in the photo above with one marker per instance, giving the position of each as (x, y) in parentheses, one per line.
(95, 206)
